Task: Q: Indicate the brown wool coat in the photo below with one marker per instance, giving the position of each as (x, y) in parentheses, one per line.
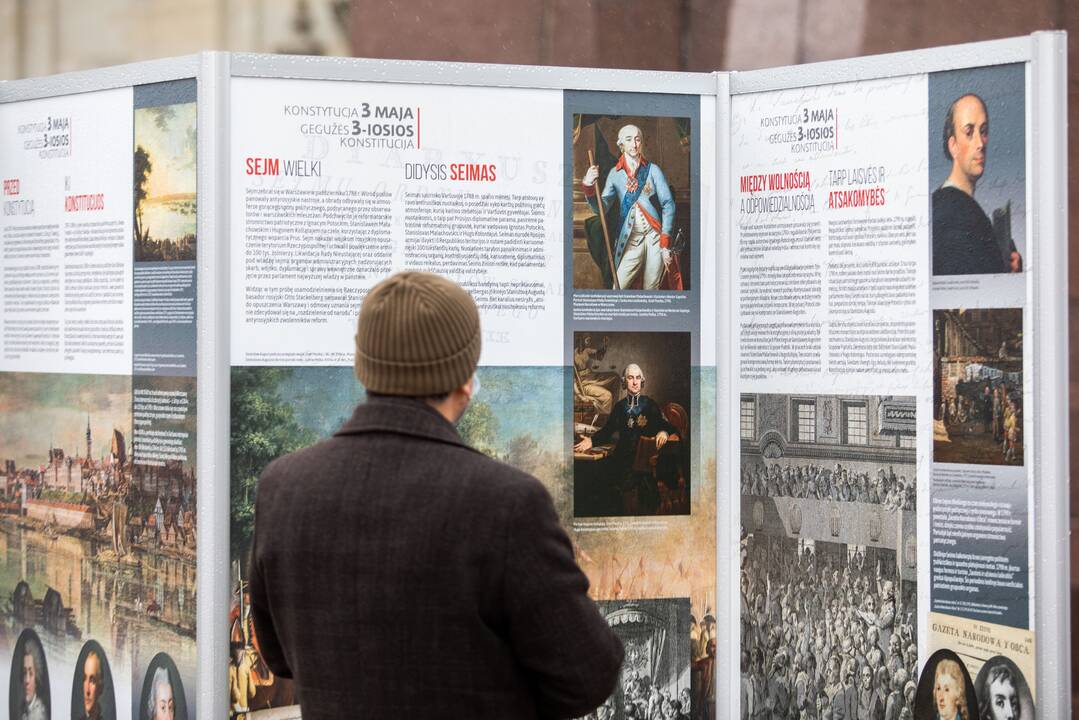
(397, 573)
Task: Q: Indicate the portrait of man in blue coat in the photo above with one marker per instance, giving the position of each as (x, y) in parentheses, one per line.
(640, 240)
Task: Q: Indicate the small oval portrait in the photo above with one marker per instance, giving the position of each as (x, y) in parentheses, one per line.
(92, 694)
(162, 695)
(945, 691)
(28, 690)
(1003, 692)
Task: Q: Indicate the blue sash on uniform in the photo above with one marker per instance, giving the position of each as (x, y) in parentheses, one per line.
(630, 198)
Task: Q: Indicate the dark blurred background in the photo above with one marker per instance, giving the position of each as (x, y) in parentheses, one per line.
(41, 37)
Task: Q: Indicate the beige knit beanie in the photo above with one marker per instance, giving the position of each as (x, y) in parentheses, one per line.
(418, 334)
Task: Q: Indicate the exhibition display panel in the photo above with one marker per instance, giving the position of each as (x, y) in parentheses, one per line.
(784, 346)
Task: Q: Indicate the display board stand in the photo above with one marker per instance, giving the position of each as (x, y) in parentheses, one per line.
(854, 400)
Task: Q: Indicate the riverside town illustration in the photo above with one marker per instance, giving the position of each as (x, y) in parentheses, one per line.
(93, 545)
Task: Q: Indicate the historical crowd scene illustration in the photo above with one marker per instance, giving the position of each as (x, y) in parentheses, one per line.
(978, 386)
(663, 674)
(829, 557)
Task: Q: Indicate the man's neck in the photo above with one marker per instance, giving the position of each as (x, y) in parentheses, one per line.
(961, 181)
(632, 163)
(451, 408)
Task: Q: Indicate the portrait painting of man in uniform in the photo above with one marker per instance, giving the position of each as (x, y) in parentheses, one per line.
(631, 424)
(631, 202)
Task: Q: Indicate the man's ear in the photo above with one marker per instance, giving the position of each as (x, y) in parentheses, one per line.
(467, 388)
(952, 142)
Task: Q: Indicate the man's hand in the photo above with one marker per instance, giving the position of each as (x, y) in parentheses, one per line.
(584, 446)
(667, 257)
(661, 439)
(590, 175)
(1015, 262)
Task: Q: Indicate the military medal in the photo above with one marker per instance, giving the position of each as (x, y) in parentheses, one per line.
(641, 421)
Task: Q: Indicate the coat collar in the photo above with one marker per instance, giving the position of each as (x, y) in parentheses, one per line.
(623, 163)
(402, 415)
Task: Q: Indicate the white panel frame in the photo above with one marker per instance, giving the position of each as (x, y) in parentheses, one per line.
(728, 490)
(455, 73)
(1049, 311)
(872, 67)
(214, 416)
(1046, 51)
(152, 71)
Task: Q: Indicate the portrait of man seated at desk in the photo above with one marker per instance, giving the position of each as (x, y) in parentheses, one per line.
(630, 448)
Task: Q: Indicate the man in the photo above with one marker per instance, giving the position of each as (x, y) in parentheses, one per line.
(998, 415)
(397, 572)
(869, 703)
(833, 687)
(242, 686)
(895, 701)
(646, 212)
(684, 702)
(779, 696)
(803, 680)
(1011, 430)
(92, 677)
(845, 702)
(703, 660)
(998, 697)
(823, 706)
(895, 654)
(161, 704)
(634, 417)
(963, 239)
(34, 684)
